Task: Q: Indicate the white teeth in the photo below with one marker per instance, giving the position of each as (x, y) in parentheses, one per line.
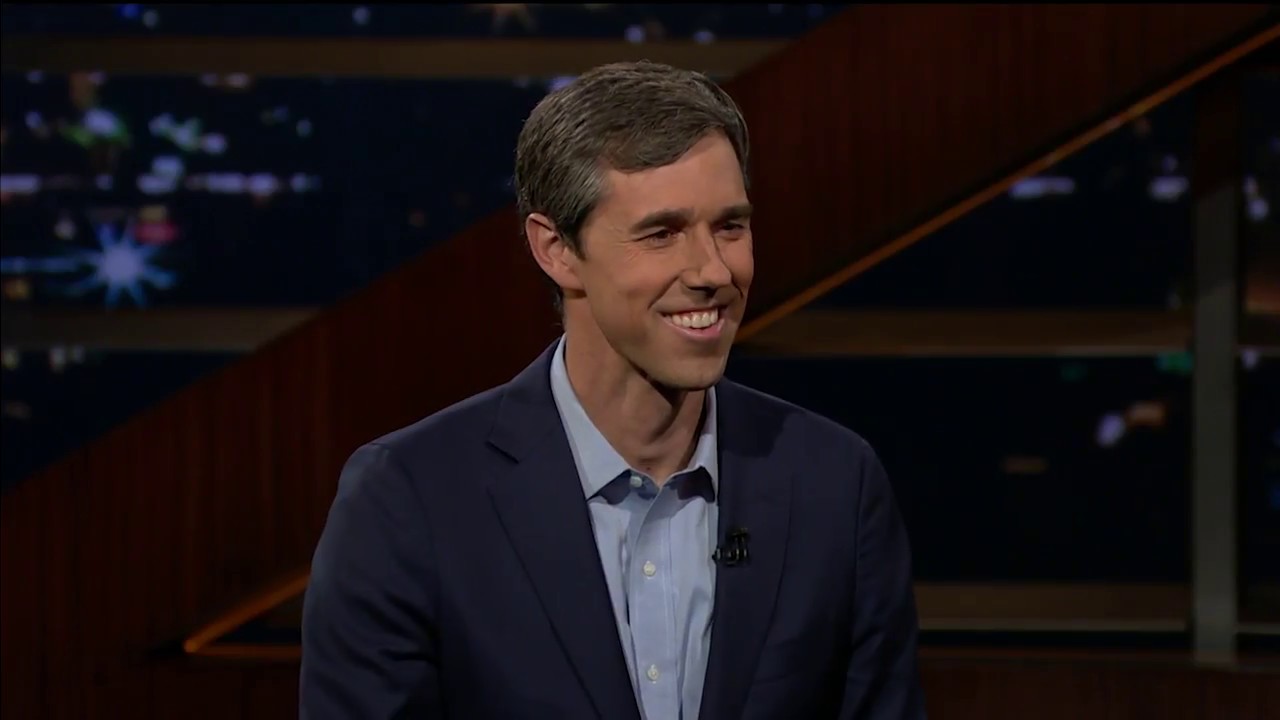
(696, 320)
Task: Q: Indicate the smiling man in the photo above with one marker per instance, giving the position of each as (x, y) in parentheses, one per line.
(619, 532)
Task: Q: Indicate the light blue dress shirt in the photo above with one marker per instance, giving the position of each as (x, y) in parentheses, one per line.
(655, 544)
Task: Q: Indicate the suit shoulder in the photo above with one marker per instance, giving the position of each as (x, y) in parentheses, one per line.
(466, 420)
(801, 423)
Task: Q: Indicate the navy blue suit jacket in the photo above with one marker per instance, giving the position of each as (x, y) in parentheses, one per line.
(457, 576)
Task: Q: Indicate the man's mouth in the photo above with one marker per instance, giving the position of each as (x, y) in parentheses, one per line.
(695, 319)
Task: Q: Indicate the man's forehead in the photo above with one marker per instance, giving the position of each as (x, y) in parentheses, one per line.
(636, 196)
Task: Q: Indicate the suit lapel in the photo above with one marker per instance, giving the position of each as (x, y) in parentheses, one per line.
(754, 493)
(542, 509)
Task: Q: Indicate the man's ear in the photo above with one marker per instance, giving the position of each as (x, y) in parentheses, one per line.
(553, 254)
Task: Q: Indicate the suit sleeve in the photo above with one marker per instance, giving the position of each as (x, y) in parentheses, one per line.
(882, 682)
(368, 639)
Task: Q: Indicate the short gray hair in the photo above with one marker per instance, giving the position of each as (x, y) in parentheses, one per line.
(626, 116)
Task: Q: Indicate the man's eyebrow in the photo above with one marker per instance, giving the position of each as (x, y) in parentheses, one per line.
(735, 212)
(663, 218)
(682, 216)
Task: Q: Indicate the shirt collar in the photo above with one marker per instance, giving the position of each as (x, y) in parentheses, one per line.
(598, 463)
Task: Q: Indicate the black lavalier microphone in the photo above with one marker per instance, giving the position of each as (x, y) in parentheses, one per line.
(733, 551)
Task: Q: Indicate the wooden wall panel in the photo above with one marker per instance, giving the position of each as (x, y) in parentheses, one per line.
(864, 126)
(892, 112)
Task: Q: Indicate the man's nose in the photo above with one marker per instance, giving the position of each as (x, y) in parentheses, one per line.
(707, 268)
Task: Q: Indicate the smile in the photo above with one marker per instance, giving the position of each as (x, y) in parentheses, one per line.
(699, 324)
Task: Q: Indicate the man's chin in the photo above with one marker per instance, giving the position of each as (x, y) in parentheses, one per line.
(690, 377)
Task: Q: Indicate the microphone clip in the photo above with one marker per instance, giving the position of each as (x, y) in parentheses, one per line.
(734, 551)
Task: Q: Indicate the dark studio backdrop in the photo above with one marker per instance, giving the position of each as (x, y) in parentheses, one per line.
(987, 237)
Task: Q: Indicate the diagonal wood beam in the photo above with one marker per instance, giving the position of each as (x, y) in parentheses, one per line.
(1262, 39)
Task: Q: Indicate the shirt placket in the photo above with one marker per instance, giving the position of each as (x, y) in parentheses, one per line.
(649, 599)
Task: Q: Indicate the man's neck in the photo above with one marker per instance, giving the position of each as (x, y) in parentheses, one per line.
(653, 429)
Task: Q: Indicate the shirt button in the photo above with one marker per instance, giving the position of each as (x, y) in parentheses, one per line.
(653, 673)
(650, 569)
(636, 481)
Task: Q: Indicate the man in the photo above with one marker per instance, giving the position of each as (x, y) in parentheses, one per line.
(619, 532)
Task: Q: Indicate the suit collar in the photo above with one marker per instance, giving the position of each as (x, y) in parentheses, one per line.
(541, 508)
(521, 423)
(756, 496)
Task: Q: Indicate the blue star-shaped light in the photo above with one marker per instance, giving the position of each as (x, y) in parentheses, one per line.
(122, 265)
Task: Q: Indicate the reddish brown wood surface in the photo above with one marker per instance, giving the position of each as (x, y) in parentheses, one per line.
(859, 129)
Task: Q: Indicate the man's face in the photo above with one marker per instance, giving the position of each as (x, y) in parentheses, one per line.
(666, 265)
